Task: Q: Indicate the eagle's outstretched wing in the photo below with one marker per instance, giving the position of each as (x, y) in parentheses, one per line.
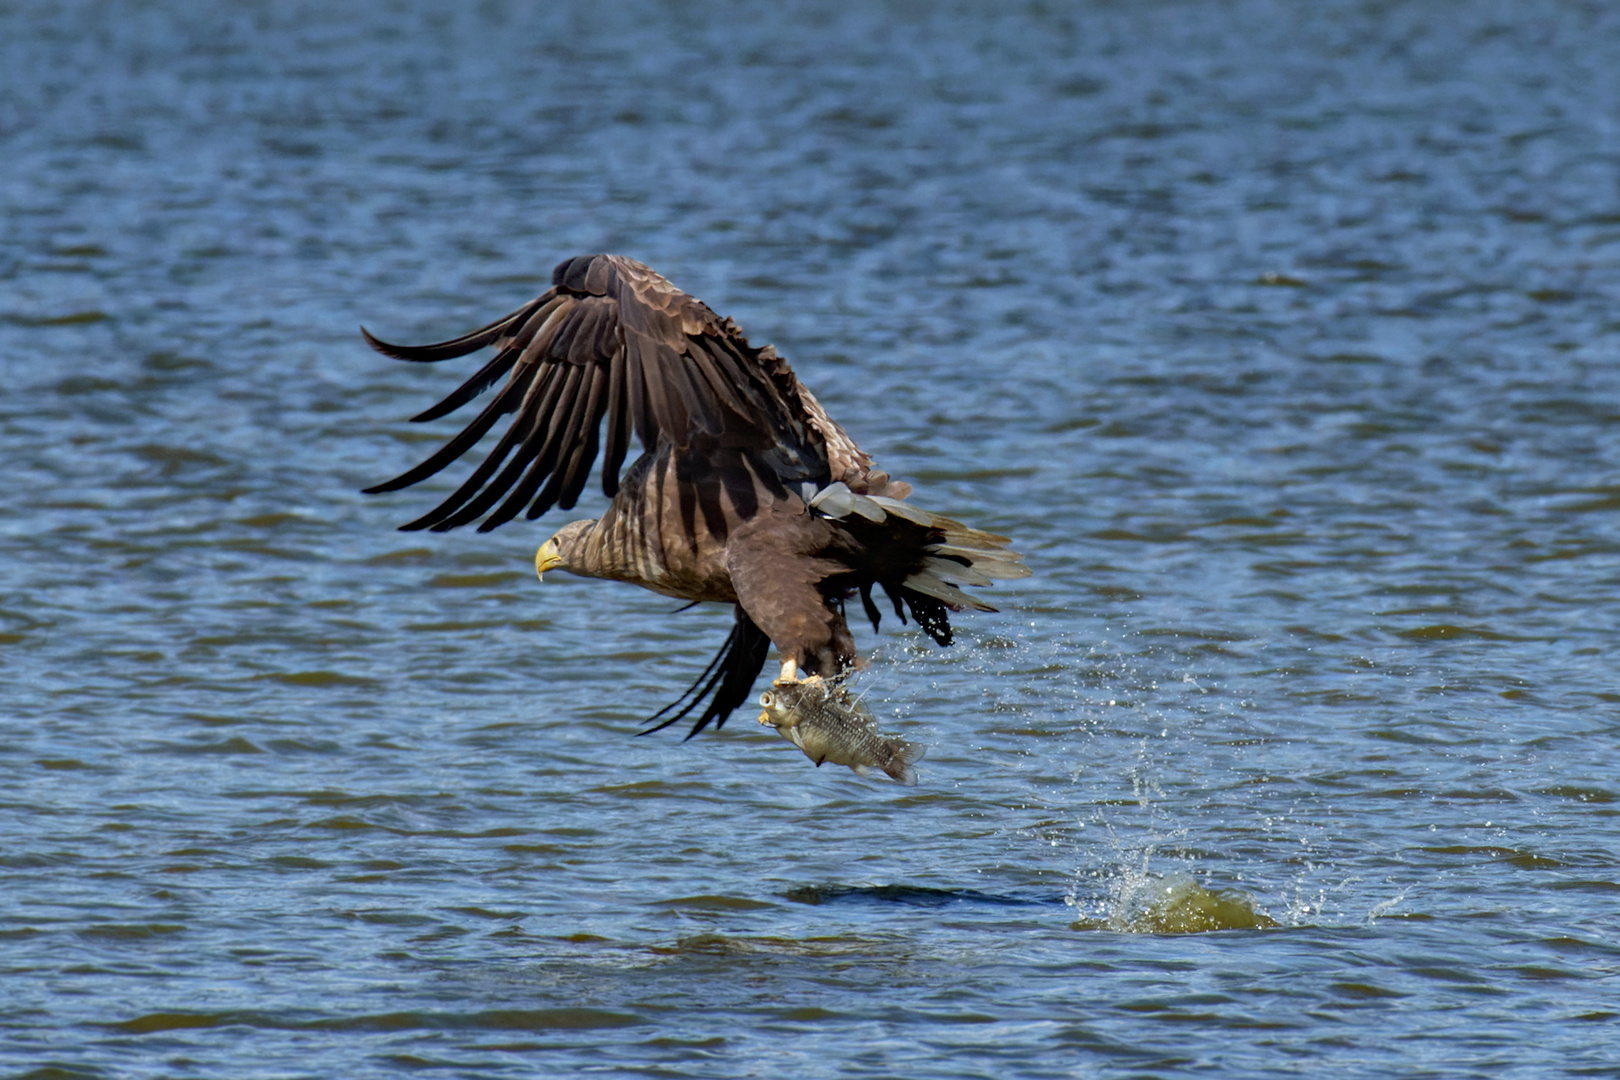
(612, 339)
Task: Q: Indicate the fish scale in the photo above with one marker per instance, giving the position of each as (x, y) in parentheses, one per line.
(821, 719)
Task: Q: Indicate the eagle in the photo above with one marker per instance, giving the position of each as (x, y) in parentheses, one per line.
(745, 493)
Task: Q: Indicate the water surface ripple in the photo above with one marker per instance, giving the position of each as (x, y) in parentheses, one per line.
(1282, 337)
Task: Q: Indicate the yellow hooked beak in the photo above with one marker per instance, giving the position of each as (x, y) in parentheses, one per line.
(546, 559)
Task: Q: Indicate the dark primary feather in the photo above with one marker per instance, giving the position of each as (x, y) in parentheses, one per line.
(485, 378)
(610, 340)
(504, 402)
(448, 350)
(732, 671)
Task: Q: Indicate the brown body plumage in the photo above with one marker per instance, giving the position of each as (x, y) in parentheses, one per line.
(746, 491)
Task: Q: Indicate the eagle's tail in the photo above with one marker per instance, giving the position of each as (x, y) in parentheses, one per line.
(953, 555)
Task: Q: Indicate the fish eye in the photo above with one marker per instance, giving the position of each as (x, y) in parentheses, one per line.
(765, 699)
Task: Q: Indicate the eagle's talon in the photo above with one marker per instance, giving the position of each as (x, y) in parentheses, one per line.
(790, 676)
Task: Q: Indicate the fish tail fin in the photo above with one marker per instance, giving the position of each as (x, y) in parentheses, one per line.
(906, 755)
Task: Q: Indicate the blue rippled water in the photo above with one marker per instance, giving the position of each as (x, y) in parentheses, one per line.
(1282, 339)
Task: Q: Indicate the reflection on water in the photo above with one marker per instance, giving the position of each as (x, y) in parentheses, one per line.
(1281, 338)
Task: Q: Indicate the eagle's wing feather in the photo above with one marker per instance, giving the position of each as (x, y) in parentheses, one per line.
(612, 340)
(729, 678)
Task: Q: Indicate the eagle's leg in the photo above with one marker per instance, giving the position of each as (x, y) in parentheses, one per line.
(790, 674)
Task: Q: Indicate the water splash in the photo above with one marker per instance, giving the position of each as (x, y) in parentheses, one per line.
(1149, 904)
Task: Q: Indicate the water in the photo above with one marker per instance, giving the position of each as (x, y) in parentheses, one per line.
(1282, 338)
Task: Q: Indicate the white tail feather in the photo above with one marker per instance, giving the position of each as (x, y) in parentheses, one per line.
(949, 570)
(996, 551)
(837, 501)
(913, 514)
(867, 508)
(994, 564)
(929, 585)
(987, 554)
(834, 500)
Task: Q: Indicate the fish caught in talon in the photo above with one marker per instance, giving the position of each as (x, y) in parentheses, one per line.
(821, 719)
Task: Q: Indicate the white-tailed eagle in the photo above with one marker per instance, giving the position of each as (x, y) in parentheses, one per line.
(745, 493)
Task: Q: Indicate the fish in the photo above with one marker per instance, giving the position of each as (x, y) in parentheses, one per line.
(820, 718)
